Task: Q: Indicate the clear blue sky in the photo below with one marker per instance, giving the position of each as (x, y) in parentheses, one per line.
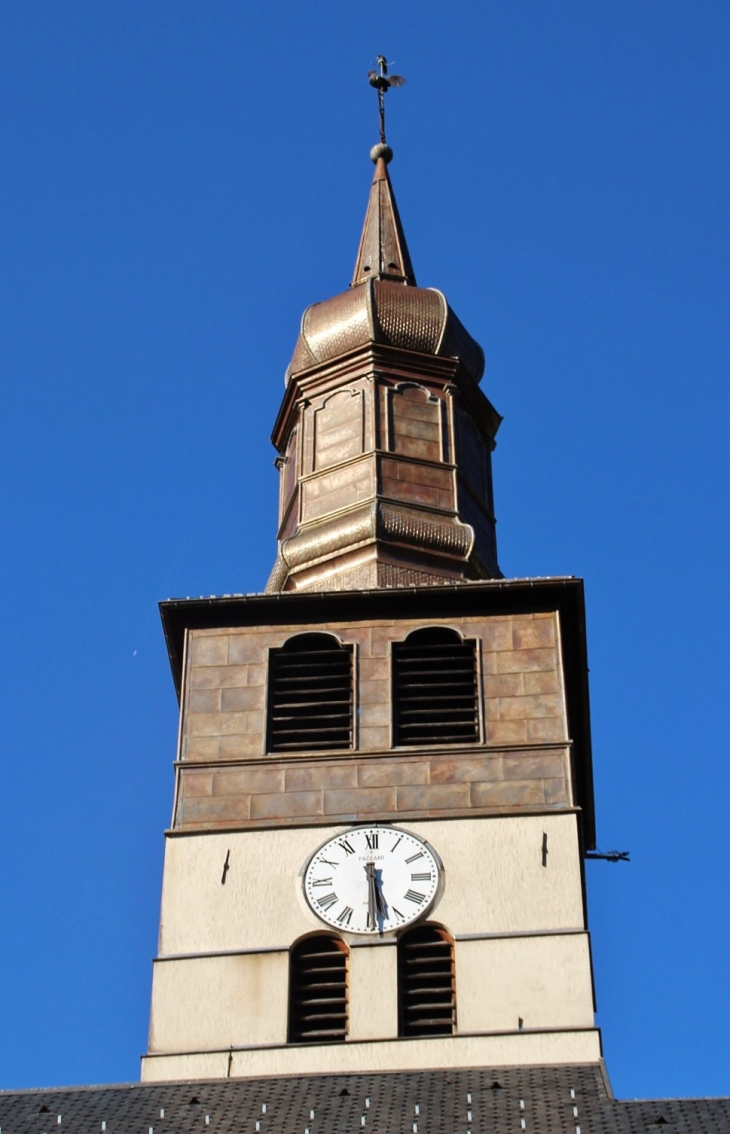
(180, 180)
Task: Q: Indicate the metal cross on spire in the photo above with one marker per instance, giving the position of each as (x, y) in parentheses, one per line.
(382, 82)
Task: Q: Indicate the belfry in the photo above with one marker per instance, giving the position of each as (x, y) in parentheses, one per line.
(383, 787)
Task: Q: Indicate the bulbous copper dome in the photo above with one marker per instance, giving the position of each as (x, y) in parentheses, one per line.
(383, 304)
(382, 311)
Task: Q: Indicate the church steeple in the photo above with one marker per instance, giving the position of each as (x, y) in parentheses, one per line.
(383, 252)
(393, 776)
(384, 437)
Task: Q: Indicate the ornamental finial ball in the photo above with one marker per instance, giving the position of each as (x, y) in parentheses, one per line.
(382, 150)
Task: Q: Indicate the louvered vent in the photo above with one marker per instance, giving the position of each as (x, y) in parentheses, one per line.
(435, 689)
(318, 991)
(426, 986)
(310, 695)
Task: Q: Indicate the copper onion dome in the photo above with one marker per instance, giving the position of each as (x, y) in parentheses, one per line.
(383, 303)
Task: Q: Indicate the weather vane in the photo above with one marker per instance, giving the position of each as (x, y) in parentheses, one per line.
(382, 82)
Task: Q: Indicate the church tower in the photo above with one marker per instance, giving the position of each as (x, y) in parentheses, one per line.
(383, 787)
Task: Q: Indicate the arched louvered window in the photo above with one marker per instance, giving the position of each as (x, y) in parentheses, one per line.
(435, 689)
(310, 695)
(318, 990)
(426, 983)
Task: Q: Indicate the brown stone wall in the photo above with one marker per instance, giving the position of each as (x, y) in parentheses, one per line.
(359, 788)
(522, 762)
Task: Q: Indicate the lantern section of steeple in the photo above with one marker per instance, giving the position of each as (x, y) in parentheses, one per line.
(384, 436)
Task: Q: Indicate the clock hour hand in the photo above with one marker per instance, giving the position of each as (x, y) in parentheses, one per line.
(376, 901)
(372, 893)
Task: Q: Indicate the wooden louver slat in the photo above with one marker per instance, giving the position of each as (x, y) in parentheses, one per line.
(310, 695)
(426, 985)
(318, 991)
(435, 689)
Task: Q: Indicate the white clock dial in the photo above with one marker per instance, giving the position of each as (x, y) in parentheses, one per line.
(372, 880)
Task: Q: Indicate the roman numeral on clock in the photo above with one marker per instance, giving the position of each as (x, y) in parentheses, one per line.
(414, 857)
(344, 917)
(372, 841)
(421, 877)
(415, 896)
(326, 881)
(347, 847)
(328, 900)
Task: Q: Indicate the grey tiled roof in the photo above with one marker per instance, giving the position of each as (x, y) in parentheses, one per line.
(543, 1100)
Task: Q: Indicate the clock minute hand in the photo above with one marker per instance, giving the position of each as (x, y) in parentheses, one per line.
(380, 902)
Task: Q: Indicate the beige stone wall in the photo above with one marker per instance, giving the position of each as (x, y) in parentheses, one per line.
(516, 916)
(539, 1048)
(227, 778)
(240, 1000)
(373, 992)
(210, 1002)
(522, 955)
(544, 981)
(494, 882)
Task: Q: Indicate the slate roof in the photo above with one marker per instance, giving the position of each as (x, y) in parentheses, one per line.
(536, 1100)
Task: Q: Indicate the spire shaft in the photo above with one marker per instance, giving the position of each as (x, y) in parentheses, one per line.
(383, 252)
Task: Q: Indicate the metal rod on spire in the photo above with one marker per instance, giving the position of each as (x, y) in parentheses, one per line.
(382, 81)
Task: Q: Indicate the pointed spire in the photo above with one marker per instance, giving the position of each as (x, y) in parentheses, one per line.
(383, 252)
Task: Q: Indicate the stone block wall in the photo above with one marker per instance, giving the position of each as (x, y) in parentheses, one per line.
(521, 763)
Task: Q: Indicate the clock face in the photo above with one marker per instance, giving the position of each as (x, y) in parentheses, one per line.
(372, 880)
